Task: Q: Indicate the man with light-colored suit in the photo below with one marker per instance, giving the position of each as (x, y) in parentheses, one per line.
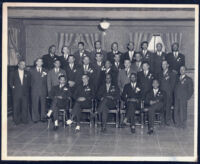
(124, 75)
(53, 74)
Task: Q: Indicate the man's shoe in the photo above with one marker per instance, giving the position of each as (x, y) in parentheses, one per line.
(77, 129)
(69, 122)
(55, 128)
(150, 131)
(133, 130)
(103, 129)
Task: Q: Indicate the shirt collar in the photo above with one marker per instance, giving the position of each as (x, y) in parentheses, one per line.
(52, 55)
(133, 84)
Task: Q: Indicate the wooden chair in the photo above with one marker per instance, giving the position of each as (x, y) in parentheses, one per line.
(62, 112)
(89, 111)
(138, 113)
(114, 111)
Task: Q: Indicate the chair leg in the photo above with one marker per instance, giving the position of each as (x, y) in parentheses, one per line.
(142, 120)
(48, 123)
(90, 121)
(64, 116)
(117, 120)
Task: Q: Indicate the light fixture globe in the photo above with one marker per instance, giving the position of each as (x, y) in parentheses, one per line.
(104, 25)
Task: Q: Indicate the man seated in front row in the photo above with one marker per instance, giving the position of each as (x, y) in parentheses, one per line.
(108, 94)
(83, 96)
(60, 94)
(131, 96)
(155, 99)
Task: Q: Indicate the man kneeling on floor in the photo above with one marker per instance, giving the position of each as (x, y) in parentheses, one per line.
(155, 100)
(83, 100)
(60, 94)
(108, 94)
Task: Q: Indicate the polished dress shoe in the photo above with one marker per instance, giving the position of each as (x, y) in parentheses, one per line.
(133, 130)
(150, 131)
(103, 129)
(55, 128)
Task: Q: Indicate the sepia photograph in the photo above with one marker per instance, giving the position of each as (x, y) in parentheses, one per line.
(99, 82)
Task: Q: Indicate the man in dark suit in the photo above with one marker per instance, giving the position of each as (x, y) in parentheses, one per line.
(20, 84)
(64, 58)
(131, 96)
(167, 83)
(87, 68)
(147, 56)
(98, 66)
(71, 69)
(114, 50)
(49, 58)
(83, 95)
(145, 78)
(130, 54)
(158, 57)
(38, 91)
(60, 94)
(137, 65)
(175, 59)
(183, 92)
(118, 63)
(155, 99)
(108, 94)
(108, 69)
(81, 53)
(98, 49)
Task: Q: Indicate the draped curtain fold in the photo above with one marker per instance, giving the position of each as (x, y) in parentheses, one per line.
(71, 40)
(138, 37)
(13, 46)
(171, 37)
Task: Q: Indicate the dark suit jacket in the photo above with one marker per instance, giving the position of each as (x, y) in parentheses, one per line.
(19, 90)
(63, 61)
(184, 88)
(98, 70)
(111, 55)
(93, 55)
(130, 92)
(160, 97)
(78, 58)
(148, 57)
(126, 56)
(135, 68)
(65, 92)
(167, 82)
(38, 82)
(48, 61)
(113, 91)
(113, 74)
(91, 73)
(175, 63)
(84, 91)
(72, 74)
(121, 66)
(145, 82)
(157, 63)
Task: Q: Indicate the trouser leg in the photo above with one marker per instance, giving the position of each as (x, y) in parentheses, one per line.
(43, 107)
(35, 105)
(16, 110)
(168, 109)
(177, 111)
(131, 106)
(24, 114)
(76, 112)
(183, 113)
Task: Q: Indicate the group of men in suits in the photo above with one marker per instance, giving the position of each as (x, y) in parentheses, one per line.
(158, 80)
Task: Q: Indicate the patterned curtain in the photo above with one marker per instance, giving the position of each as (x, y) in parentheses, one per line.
(71, 40)
(138, 37)
(13, 46)
(170, 38)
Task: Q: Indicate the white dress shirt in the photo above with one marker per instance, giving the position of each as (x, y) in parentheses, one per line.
(131, 53)
(133, 85)
(21, 75)
(56, 70)
(107, 87)
(155, 91)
